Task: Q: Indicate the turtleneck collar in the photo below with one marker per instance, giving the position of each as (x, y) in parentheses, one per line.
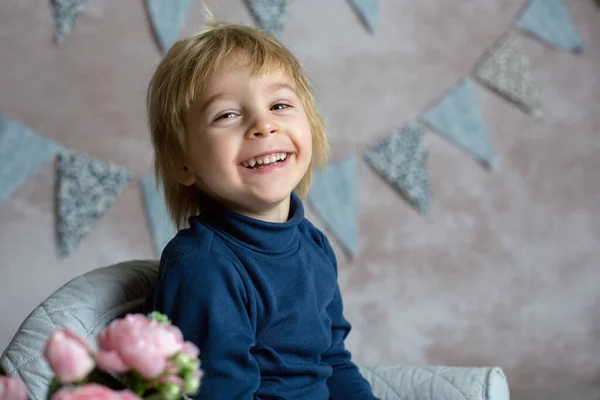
(257, 235)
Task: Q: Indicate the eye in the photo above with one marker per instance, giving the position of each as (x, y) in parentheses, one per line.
(280, 106)
(227, 115)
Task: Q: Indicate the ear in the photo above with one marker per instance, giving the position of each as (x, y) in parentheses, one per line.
(186, 177)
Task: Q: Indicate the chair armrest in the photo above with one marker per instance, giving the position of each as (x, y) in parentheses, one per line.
(437, 383)
(84, 305)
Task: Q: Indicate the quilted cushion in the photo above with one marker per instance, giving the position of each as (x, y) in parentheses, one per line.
(84, 305)
(89, 302)
(437, 383)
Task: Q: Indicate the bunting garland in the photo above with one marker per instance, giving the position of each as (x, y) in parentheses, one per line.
(269, 14)
(547, 20)
(506, 70)
(161, 226)
(550, 22)
(23, 153)
(368, 12)
(458, 118)
(402, 160)
(167, 18)
(65, 14)
(87, 188)
(333, 196)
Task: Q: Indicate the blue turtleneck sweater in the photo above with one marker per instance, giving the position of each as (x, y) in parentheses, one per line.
(262, 303)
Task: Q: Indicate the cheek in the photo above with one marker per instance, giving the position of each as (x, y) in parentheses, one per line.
(219, 154)
(200, 157)
(309, 147)
(307, 140)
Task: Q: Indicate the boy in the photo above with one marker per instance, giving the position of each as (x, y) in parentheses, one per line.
(251, 281)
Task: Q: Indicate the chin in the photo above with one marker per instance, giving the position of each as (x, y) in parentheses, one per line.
(271, 199)
(269, 196)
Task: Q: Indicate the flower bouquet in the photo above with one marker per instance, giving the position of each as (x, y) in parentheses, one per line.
(138, 357)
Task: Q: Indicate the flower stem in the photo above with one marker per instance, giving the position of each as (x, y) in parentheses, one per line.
(105, 379)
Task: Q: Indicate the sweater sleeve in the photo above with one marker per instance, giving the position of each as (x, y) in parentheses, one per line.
(346, 382)
(205, 297)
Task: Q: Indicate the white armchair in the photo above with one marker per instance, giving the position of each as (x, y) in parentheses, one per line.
(89, 302)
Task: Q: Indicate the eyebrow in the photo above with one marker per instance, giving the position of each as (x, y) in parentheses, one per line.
(281, 85)
(210, 101)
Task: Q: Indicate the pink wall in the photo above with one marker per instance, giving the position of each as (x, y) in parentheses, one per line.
(503, 272)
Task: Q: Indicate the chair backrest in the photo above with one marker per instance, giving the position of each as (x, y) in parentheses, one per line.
(84, 305)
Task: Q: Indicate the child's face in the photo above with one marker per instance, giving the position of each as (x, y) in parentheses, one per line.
(249, 140)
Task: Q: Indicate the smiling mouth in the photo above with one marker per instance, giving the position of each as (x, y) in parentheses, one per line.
(266, 161)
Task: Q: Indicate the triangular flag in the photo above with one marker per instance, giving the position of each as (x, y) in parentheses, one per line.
(23, 153)
(333, 197)
(549, 21)
(65, 14)
(86, 189)
(368, 11)
(506, 70)
(402, 160)
(161, 226)
(269, 14)
(167, 18)
(458, 118)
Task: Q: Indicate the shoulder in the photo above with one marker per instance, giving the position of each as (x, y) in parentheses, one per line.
(316, 236)
(197, 253)
(312, 233)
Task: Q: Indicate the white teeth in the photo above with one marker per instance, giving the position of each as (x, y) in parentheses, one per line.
(265, 160)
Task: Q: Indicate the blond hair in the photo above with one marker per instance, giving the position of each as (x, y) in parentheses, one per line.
(178, 79)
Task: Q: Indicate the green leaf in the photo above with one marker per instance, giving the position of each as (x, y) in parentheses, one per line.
(54, 387)
(170, 391)
(156, 316)
(155, 396)
(136, 382)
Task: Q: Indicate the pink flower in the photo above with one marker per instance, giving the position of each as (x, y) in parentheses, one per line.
(190, 350)
(12, 389)
(172, 379)
(139, 343)
(92, 391)
(70, 356)
(171, 369)
(127, 395)
(111, 361)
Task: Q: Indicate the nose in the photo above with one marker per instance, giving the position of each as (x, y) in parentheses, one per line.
(262, 127)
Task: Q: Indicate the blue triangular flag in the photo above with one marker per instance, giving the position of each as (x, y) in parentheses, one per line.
(161, 226)
(86, 189)
(269, 14)
(458, 118)
(402, 160)
(23, 153)
(549, 21)
(65, 14)
(333, 197)
(368, 11)
(167, 18)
